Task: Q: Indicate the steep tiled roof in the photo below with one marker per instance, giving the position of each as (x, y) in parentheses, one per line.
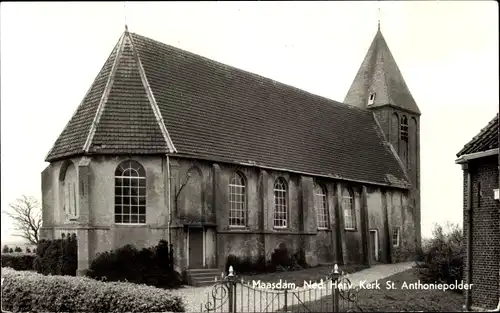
(217, 112)
(487, 139)
(380, 75)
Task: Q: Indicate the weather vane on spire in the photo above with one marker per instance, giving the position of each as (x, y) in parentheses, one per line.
(125, 14)
(378, 14)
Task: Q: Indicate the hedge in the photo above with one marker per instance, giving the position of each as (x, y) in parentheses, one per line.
(33, 292)
(18, 261)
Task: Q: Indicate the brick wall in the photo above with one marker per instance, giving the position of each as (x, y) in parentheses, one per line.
(486, 232)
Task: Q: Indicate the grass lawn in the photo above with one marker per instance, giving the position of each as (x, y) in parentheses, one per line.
(396, 300)
(298, 277)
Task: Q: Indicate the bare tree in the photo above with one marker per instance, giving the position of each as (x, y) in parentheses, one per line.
(178, 192)
(27, 218)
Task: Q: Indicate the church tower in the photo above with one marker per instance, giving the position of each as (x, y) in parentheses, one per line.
(380, 88)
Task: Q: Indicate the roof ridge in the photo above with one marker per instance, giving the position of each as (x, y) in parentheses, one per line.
(104, 97)
(387, 85)
(83, 100)
(151, 98)
(270, 80)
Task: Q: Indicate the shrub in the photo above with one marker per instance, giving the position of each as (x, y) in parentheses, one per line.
(18, 261)
(18, 249)
(28, 250)
(152, 266)
(57, 257)
(33, 292)
(11, 250)
(443, 256)
(246, 265)
(282, 260)
(5, 249)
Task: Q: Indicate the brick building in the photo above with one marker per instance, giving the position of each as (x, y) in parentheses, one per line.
(170, 145)
(480, 163)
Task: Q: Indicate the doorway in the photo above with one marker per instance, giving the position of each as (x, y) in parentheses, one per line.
(195, 247)
(374, 245)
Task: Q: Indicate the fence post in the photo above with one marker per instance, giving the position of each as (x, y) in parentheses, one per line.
(230, 291)
(285, 309)
(335, 275)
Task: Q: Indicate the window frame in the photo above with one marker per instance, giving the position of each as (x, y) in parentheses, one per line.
(285, 203)
(371, 98)
(351, 209)
(404, 128)
(398, 237)
(243, 186)
(322, 213)
(123, 174)
(68, 191)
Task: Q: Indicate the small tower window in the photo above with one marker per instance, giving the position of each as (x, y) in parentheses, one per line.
(404, 128)
(371, 99)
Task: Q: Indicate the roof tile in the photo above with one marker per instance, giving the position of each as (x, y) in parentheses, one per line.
(487, 139)
(380, 75)
(218, 112)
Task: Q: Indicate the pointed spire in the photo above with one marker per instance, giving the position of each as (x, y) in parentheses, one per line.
(126, 28)
(379, 81)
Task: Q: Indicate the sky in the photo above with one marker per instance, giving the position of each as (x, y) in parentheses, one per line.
(447, 52)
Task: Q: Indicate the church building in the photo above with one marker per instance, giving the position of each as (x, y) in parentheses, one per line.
(167, 144)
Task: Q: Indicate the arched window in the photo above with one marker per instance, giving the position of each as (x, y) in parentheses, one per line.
(349, 211)
(280, 203)
(321, 205)
(69, 188)
(237, 201)
(130, 193)
(404, 128)
(395, 130)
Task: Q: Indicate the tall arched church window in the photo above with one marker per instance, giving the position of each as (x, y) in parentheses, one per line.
(130, 193)
(237, 201)
(321, 206)
(349, 209)
(280, 203)
(404, 128)
(69, 190)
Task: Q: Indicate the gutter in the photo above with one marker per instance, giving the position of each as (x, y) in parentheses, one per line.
(472, 156)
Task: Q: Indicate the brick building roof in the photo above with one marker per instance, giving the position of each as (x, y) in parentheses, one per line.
(487, 139)
(380, 75)
(152, 98)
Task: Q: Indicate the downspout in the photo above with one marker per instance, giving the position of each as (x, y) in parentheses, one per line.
(168, 201)
(468, 295)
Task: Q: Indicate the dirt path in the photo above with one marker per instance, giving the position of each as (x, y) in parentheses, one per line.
(250, 300)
